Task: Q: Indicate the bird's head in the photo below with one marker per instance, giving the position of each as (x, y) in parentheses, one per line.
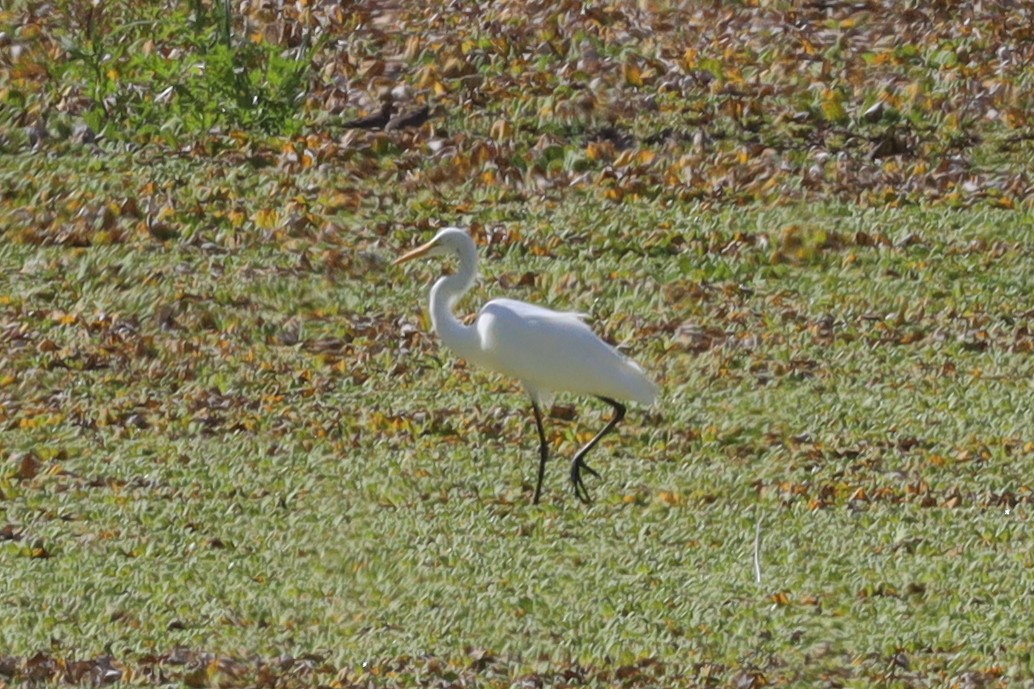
(448, 241)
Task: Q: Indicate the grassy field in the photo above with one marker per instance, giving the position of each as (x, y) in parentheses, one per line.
(233, 453)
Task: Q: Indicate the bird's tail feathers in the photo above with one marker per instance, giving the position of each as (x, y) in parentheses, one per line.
(638, 386)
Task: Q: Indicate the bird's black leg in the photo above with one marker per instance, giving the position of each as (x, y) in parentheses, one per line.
(579, 459)
(543, 449)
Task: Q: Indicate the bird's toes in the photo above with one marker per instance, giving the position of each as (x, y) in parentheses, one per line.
(580, 491)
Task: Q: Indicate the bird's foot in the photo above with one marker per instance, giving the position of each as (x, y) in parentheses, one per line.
(580, 491)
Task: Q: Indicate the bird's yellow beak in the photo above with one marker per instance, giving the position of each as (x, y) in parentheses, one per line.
(415, 253)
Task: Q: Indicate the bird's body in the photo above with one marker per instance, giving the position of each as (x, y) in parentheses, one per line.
(375, 120)
(409, 119)
(548, 351)
(577, 360)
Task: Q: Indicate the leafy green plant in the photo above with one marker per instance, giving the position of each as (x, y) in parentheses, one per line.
(250, 86)
(92, 47)
(220, 17)
(185, 72)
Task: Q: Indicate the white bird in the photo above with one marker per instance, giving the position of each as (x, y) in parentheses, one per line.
(548, 351)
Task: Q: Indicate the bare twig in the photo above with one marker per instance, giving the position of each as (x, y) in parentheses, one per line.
(757, 550)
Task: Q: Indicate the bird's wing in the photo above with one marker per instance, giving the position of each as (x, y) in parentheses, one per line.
(555, 350)
(537, 314)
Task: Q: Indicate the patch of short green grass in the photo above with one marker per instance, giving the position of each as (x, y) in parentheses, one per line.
(233, 449)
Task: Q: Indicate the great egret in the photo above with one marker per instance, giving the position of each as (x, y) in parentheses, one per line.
(548, 351)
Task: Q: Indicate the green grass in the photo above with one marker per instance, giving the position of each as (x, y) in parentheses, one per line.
(213, 472)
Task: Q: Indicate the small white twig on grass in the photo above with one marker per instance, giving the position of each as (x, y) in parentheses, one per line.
(757, 550)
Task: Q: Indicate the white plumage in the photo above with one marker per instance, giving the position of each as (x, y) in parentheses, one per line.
(548, 351)
(570, 358)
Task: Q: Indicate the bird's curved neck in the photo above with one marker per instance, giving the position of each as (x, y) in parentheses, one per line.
(448, 290)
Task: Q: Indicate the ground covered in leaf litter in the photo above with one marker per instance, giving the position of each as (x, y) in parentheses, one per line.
(478, 668)
(864, 102)
(218, 401)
